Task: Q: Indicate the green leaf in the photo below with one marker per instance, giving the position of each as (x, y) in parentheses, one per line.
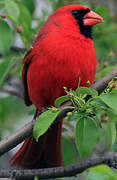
(24, 13)
(6, 37)
(43, 122)
(5, 67)
(97, 176)
(106, 136)
(86, 135)
(101, 169)
(110, 100)
(1, 2)
(10, 112)
(113, 131)
(69, 155)
(102, 172)
(30, 5)
(36, 178)
(86, 91)
(25, 21)
(75, 115)
(61, 100)
(12, 10)
(114, 90)
(99, 103)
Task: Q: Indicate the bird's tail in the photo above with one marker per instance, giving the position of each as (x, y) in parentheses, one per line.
(45, 153)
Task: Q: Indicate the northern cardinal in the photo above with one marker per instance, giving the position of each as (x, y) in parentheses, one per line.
(62, 52)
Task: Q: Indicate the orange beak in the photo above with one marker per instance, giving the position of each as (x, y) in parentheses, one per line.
(91, 19)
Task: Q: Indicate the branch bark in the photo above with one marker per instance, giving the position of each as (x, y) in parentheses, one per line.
(63, 171)
(16, 50)
(10, 142)
(102, 83)
(12, 92)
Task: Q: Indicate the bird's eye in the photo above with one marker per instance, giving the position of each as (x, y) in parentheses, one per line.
(78, 14)
(75, 12)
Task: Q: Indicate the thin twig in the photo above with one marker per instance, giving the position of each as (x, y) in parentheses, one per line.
(12, 92)
(63, 171)
(102, 83)
(10, 142)
(18, 49)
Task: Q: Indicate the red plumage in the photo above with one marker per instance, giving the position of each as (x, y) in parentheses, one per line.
(62, 52)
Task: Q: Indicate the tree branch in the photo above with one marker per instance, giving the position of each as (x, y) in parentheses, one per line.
(102, 83)
(16, 50)
(10, 142)
(11, 92)
(63, 171)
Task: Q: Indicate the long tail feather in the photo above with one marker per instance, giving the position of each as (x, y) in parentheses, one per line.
(47, 152)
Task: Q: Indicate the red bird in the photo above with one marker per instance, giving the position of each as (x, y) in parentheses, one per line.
(62, 52)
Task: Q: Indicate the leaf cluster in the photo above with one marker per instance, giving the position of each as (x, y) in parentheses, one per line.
(94, 116)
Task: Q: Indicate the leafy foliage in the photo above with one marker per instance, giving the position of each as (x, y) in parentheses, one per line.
(101, 172)
(6, 37)
(44, 121)
(86, 135)
(88, 117)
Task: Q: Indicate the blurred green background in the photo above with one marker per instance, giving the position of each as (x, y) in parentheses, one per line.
(20, 20)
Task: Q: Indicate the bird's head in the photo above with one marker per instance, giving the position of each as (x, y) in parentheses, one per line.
(78, 16)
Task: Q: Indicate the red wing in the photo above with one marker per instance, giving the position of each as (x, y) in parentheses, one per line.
(27, 61)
